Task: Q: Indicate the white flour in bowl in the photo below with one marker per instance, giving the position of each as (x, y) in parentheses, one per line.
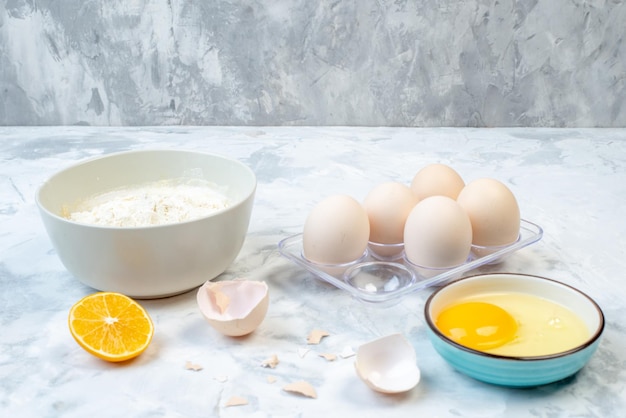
(155, 203)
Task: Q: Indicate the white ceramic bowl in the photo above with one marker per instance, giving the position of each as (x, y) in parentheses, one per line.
(150, 261)
(515, 371)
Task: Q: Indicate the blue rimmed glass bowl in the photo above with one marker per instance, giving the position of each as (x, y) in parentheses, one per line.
(515, 371)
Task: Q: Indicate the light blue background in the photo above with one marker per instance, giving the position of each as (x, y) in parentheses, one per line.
(300, 62)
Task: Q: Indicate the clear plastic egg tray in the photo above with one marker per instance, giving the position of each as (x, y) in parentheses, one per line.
(378, 279)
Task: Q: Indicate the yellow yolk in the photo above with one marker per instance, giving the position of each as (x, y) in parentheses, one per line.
(477, 325)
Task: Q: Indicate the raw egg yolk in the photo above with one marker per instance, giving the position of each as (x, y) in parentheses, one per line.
(477, 325)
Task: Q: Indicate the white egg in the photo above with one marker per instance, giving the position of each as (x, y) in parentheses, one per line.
(437, 180)
(336, 231)
(387, 206)
(493, 212)
(437, 233)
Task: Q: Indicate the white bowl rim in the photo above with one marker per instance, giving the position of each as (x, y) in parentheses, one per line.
(592, 339)
(141, 151)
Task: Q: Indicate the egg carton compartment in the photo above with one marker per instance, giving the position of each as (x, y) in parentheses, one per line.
(381, 280)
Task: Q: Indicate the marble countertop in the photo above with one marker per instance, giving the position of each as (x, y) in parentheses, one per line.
(572, 182)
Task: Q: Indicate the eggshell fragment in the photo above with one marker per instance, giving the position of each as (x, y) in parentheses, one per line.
(192, 366)
(235, 307)
(236, 401)
(329, 356)
(347, 352)
(271, 362)
(315, 337)
(301, 388)
(388, 364)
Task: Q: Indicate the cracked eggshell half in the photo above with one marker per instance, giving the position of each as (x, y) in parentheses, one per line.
(234, 307)
(388, 364)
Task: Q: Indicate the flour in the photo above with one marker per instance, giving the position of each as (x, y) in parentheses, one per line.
(155, 203)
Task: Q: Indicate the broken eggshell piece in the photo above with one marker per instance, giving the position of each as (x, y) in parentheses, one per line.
(388, 364)
(234, 307)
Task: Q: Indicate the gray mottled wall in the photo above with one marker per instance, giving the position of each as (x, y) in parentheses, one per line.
(313, 62)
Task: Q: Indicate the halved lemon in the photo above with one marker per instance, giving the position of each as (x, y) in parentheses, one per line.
(111, 326)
